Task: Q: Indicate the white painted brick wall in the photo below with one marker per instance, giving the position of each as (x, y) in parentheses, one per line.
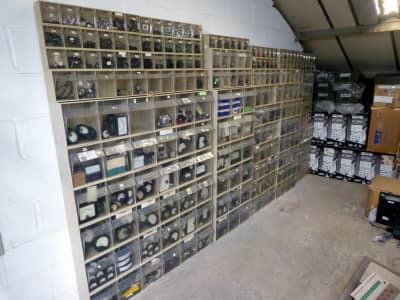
(38, 261)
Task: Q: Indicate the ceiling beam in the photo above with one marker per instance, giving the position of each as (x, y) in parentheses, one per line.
(328, 19)
(325, 34)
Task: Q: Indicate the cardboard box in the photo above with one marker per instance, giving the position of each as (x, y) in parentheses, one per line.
(381, 184)
(384, 130)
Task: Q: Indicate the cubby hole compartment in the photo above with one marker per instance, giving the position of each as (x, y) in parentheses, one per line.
(152, 271)
(106, 40)
(186, 141)
(127, 257)
(146, 25)
(247, 77)
(75, 59)
(140, 83)
(249, 101)
(141, 111)
(233, 220)
(223, 160)
(226, 59)
(158, 61)
(247, 125)
(167, 82)
(223, 182)
(247, 171)
(184, 110)
(119, 22)
(124, 227)
(188, 227)
(245, 192)
(100, 273)
(50, 12)
(90, 39)
(108, 60)
(198, 62)
(180, 62)
(87, 85)
(203, 107)
(204, 165)
(150, 244)
(217, 80)
(280, 93)
(189, 247)
(223, 205)
(57, 59)
(169, 46)
(118, 157)
(234, 198)
(204, 214)
(92, 60)
(224, 105)
(236, 129)
(203, 137)
(172, 259)
(87, 17)
(204, 238)
(159, 45)
(114, 119)
(260, 78)
(65, 86)
(168, 176)
(134, 43)
(73, 38)
(147, 44)
(170, 61)
(197, 47)
(132, 23)
(217, 59)
(104, 19)
(154, 82)
(81, 123)
(129, 285)
(224, 132)
(54, 37)
(226, 79)
(245, 60)
(189, 61)
(69, 15)
(266, 151)
(179, 46)
(236, 154)
(235, 60)
(124, 83)
(235, 176)
(121, 41)
(147, 187)
(221, 227)
(135, 60)
(96, 239)
(122, 58)
(145, 151)
(170, 206)
(180, 82)
(165, 112)
(121, 193)
(204, 191)
(91, 203)
(106, 84)
(245, 212)
(170, 233)
(187, 170)
(201, 80)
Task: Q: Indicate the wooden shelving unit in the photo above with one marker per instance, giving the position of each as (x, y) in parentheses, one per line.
(166, 138)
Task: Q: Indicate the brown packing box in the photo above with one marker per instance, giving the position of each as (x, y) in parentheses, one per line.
(384, 130)
(387, 91)
(381, 184)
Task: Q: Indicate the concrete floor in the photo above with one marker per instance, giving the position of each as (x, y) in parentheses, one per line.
(304, 245)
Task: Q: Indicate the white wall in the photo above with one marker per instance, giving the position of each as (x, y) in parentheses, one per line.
(38, 261)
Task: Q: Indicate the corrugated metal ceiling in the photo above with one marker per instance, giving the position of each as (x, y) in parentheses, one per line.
(339, 32)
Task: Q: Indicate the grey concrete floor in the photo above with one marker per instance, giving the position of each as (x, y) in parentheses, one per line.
(304, 245)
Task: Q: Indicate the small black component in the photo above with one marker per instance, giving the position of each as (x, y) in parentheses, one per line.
(53, 39)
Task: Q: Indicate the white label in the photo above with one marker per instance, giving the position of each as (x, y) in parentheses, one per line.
(122, 53)
(357, 134)
(88, 155)
(147, 54)
(166, 131)
(92, 169)
(383, 99)
(122, 125)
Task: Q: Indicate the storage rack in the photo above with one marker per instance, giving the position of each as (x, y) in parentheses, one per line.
(138, 101)
(229, 64)
(129, 93)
